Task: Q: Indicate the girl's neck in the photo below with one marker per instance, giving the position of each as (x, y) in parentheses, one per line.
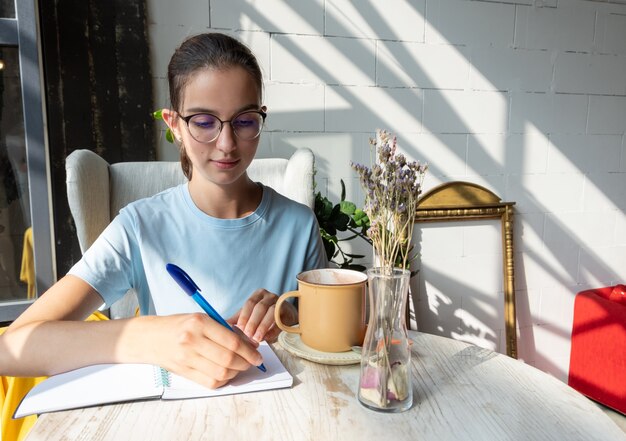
(231, 201)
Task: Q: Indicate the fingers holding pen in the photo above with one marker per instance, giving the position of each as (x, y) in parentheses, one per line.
(231, 346)
(210, 333)
(207, 352)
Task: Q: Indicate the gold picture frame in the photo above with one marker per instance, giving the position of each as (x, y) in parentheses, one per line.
(459, 200)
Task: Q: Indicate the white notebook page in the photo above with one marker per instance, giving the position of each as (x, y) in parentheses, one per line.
(251, 380)
(90, 386)
(113, 383)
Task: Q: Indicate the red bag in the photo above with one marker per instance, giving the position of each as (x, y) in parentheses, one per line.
(598, 354)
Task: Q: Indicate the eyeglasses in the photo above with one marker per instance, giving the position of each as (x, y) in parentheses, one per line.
(205, 128)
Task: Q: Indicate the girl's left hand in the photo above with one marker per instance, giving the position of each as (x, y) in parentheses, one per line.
(256, 317)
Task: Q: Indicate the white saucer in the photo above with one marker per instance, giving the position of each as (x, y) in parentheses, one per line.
(293, 344)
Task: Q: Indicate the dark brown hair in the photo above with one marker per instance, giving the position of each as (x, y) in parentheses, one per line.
(212, 51)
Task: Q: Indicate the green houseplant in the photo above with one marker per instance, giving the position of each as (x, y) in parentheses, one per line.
(343, 216)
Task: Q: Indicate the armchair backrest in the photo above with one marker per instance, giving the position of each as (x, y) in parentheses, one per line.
(97, 190)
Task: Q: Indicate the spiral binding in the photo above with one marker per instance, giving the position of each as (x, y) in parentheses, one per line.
(161, 377)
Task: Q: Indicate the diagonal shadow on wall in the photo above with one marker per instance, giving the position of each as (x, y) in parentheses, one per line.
(411, 98)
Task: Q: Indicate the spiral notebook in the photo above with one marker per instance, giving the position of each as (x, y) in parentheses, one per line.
(116, 383)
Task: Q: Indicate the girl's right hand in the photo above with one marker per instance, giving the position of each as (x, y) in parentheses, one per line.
(200, 349)
(51, 337)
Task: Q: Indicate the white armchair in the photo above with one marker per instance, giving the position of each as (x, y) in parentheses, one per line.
(97, 190)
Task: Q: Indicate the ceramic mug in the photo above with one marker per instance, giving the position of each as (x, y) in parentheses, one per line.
(331, 309)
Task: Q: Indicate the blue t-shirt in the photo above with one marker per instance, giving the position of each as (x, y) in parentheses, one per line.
(227, 258)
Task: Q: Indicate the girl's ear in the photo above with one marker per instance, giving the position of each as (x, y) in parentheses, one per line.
(171, 119)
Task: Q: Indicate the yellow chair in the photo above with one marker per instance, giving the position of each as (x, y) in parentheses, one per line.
(12, 391)
(27, 273)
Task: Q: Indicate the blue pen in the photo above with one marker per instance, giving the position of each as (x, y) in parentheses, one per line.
(190, 287)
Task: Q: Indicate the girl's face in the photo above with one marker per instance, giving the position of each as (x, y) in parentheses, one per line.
(224, 94)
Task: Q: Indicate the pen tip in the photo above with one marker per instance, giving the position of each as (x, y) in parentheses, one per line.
(262, 367)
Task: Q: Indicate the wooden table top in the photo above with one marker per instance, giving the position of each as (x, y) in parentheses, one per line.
(461, 392)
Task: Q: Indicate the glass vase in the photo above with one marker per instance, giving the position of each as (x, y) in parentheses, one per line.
(385, 377)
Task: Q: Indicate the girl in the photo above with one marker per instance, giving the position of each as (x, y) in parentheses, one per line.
(239, 240)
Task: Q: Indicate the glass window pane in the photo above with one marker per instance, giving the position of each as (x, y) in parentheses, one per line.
(16, 254)
(7, 8)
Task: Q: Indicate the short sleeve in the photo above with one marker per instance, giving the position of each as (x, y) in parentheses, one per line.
(107, 264)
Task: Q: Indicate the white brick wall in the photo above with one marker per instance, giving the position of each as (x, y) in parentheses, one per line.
(465, 111)
(607, 114)
(293, 55)
(283, 100)
(357, 109)
(439, 67)
(612, 33)
(524, 97)
(510, 69)
(588, 73)
(469, 23)
(584, 153)
(274, 16)
(389, 20)
(570, 27)
(547, 112)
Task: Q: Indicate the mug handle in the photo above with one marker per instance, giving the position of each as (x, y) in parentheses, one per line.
(279, 303)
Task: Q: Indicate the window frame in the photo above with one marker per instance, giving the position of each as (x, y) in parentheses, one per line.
(23, 33)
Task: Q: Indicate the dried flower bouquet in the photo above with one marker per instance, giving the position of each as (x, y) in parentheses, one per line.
(392, 188)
